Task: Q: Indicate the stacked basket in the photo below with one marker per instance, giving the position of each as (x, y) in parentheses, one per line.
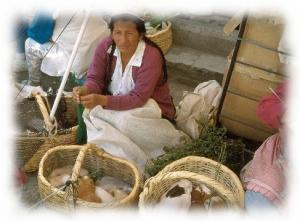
(163, 38)
(199, 170)
(91, 158)
(30, 148)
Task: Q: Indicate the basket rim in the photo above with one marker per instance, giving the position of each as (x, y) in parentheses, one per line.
(169, 167)
(197, 158)
(169, 24)
(28, 136)
(234, 177)
(43, 181)
(191, 176)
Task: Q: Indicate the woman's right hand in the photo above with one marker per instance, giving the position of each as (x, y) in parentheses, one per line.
(78, 92)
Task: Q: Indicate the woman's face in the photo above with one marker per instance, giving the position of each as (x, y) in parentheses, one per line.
(126, 36)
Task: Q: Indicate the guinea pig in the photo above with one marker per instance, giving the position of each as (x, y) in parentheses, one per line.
(86, 190)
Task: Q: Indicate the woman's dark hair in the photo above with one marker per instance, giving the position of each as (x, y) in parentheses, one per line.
(140, 26)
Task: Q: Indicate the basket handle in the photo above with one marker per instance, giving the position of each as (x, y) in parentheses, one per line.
(70, 187)
(79, 161)
(44, 112)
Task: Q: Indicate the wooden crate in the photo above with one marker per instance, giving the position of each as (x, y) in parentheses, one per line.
(251, 82)
(264, 30)
(256, 70)
(239, 116)
(243, 130)
(259, 57)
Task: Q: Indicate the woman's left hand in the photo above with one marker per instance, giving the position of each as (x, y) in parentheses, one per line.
(91, 100)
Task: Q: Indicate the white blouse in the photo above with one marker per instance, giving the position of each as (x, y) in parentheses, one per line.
(122, 83)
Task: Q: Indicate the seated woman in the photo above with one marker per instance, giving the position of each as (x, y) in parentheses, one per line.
(265, 177)
(126, 91)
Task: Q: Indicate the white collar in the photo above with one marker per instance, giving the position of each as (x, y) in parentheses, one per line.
(137, 57)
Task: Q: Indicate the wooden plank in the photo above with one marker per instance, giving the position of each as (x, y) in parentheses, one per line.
(260, 57)
(245, 131)
(243, 110)
(252, 83)
(264, 30)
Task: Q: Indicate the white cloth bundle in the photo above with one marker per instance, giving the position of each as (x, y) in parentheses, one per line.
(137, 135)
(196, 108)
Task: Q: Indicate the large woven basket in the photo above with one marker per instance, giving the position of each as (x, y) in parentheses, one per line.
(163, 38)
(30, 147)
(91, 158)
(199, 170)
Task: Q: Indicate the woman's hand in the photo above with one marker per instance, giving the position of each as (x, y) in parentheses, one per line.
(78, 92)
(91, 100)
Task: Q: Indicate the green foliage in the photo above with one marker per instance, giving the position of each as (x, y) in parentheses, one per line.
(213, 144)
(153, 20)
(81, 133)
(156, 21)
(96, 174)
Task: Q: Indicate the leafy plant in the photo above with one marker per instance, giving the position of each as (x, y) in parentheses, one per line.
(96, 174)
(155, 22)
(213, 144)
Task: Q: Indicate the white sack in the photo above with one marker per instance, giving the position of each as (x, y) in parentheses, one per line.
(137, 135)
(196, 108)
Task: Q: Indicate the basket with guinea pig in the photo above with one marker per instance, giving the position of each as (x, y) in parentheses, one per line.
(33, 115)
(163, 38)
(81, 176)
(193, 182)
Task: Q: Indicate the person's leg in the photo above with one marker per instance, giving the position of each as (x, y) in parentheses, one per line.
(35, 53)
(255, 201)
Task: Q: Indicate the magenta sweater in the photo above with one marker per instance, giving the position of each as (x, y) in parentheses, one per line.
(147, 79)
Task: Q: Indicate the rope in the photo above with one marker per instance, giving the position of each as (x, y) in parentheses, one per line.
(42, 200)
(74, 191)
(53, 131)
(62, 188)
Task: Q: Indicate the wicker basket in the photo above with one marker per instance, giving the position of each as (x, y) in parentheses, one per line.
(91, 158)
(199, 170)
(29, 148)
(35, 147)
(163, 38)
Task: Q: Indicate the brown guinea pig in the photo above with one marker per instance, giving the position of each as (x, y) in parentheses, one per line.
(86, 190)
